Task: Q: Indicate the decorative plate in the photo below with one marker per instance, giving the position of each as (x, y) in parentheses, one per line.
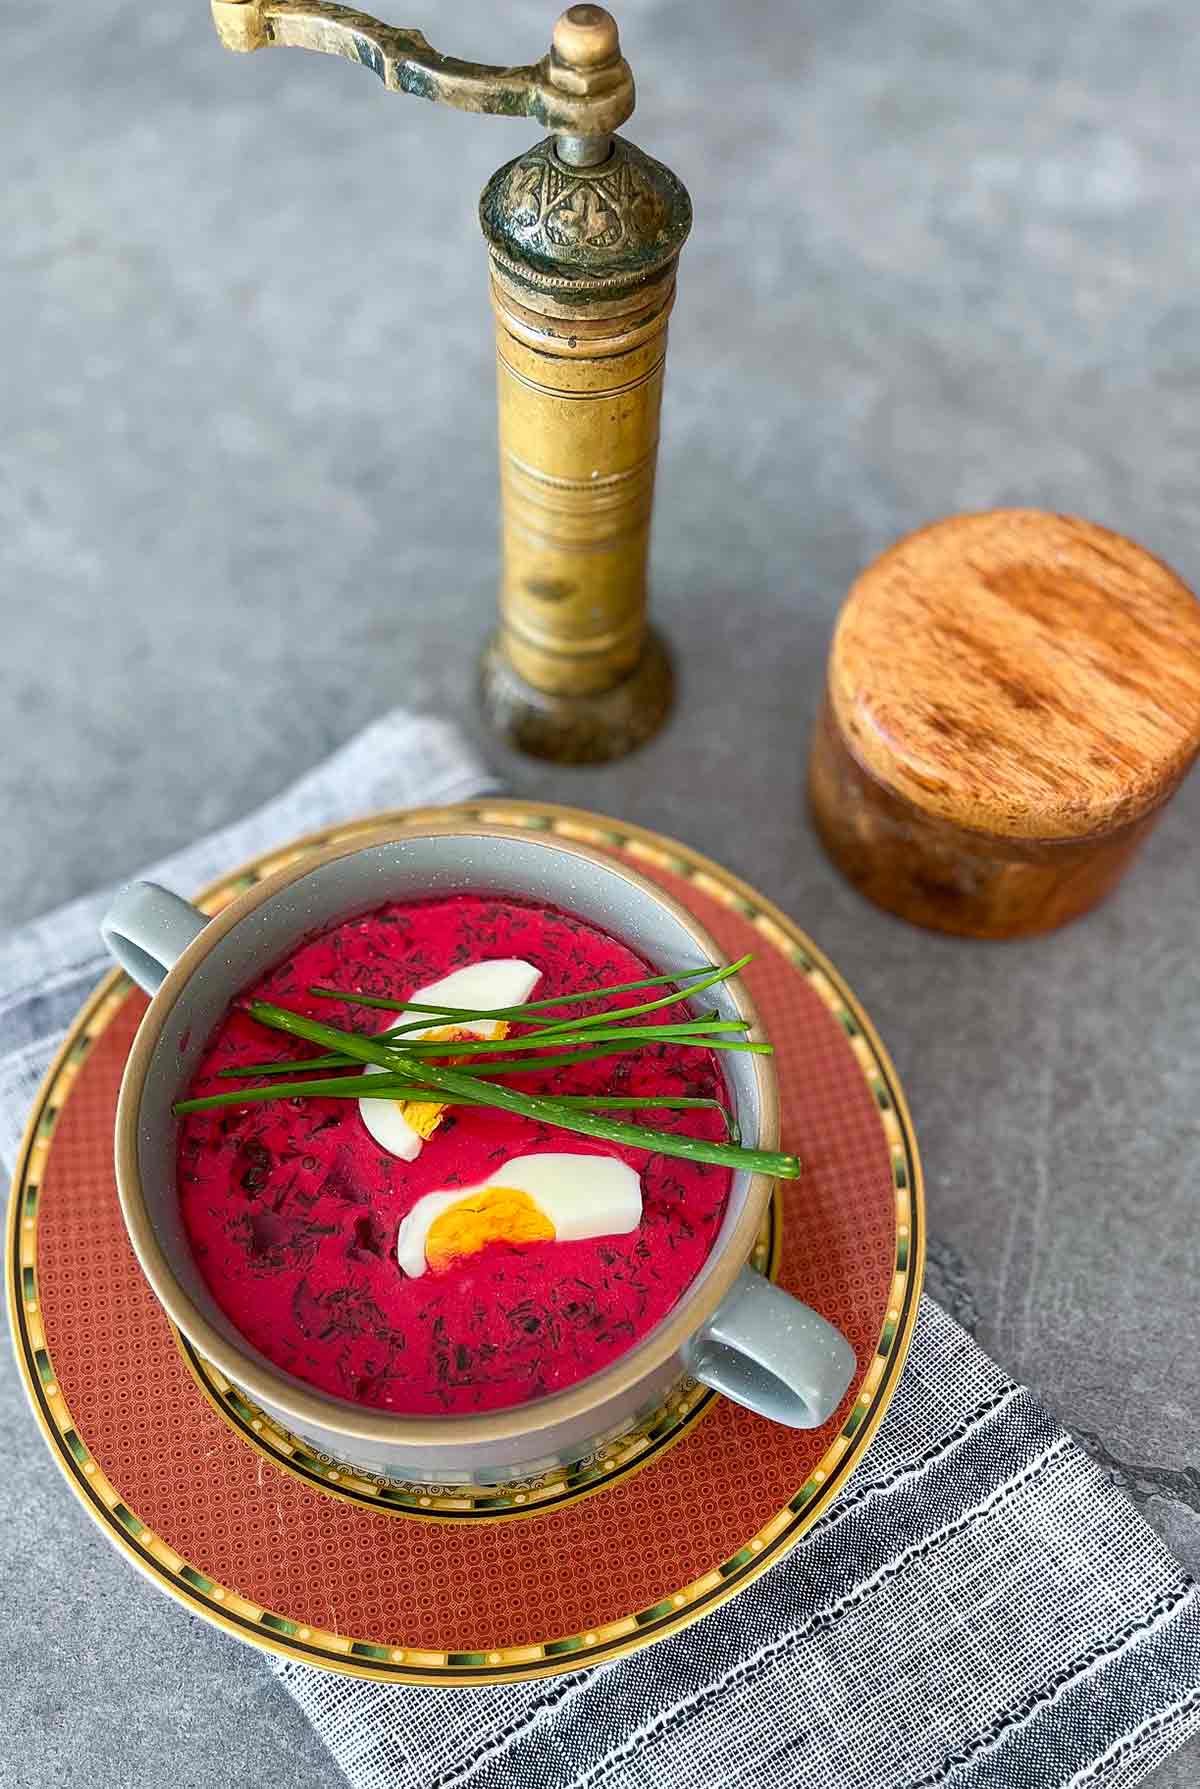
(249, 1528)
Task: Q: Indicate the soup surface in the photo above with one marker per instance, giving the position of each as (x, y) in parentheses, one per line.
(294, 1208)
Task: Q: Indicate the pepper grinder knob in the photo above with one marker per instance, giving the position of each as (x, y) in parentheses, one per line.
(585, 37)
(584, 40)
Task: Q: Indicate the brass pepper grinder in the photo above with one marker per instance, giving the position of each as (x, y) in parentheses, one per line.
(583, 232)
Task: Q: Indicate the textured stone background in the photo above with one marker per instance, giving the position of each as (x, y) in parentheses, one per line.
(945, 257)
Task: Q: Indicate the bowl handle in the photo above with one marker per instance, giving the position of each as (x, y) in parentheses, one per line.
(147, 929)
(766, 1350)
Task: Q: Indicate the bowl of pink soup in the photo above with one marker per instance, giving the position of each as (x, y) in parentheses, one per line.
(451, 1293)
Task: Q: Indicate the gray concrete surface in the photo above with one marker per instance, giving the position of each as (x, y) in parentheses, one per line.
(944, 258)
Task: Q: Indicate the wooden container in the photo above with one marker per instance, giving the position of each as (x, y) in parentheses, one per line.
(1012, 698)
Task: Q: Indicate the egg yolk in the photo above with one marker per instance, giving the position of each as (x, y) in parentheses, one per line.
(425, 1115)
(498, 1214)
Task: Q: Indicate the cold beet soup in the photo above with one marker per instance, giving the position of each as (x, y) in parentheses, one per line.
(432, 1260)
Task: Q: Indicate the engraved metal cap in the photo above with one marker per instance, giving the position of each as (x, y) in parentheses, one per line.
(618, 224)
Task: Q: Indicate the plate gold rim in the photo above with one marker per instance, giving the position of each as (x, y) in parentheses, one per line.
(283, 1636)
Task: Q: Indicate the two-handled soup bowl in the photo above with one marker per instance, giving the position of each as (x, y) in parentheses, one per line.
(731, 1328)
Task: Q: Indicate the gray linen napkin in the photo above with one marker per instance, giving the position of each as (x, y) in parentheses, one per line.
(981, 1609)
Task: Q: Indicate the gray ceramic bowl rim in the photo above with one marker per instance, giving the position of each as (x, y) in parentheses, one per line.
(251, 1371)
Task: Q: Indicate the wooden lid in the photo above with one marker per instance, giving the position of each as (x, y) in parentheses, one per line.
(1020, 673)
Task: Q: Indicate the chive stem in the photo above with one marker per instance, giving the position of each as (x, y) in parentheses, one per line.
(698, 1034)
(612, 1014)
(388, 1087)
(510, 1012)
(530, 1066)
(538, 1107)
(695, 1030)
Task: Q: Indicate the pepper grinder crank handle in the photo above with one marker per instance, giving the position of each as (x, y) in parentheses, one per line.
(584, 234)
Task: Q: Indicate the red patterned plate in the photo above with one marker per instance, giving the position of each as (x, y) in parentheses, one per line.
(417, 1583)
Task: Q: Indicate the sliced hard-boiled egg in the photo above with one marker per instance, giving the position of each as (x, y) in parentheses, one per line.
(532, 1198)
(500, 982)
(401, 1126)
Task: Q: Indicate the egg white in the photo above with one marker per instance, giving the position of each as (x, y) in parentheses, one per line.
(582, 1196)
(504, 981)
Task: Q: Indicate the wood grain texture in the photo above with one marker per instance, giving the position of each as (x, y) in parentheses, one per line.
(1012, 698)
(1020, 674)
(942, 876)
